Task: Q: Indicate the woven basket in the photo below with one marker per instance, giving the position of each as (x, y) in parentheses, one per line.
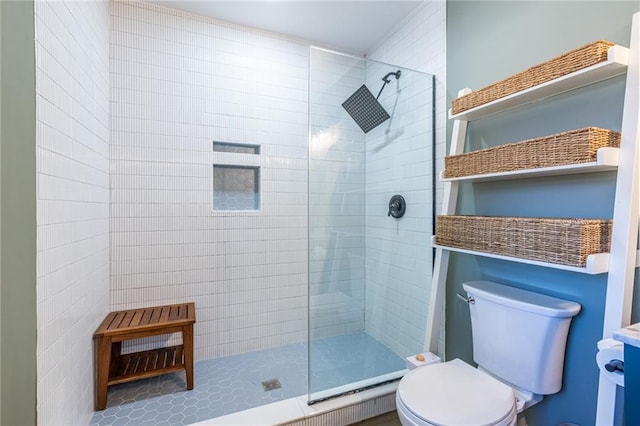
(575, 146)
(567, 63)
(561, 241)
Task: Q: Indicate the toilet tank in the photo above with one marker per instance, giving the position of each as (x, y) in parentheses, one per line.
(520, 336)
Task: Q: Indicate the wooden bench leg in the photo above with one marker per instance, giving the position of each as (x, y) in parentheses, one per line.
(116, 349)
(104, 361)
(187, 342)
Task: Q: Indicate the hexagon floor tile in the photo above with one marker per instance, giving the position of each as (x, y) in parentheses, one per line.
(234, 383)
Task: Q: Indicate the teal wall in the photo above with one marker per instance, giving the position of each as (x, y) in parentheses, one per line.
(18, 214)
(486, 42)
(632, 384)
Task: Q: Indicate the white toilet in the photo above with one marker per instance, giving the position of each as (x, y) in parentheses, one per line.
(519, 340)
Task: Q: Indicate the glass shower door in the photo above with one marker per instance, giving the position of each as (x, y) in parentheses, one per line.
(369, 272)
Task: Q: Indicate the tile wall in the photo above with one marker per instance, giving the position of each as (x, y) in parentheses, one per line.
(72, 101)
(398, 250)
(419, 43)
(179, 83)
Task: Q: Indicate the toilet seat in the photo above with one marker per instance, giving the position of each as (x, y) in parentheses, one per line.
(407, 418)
(454, 394)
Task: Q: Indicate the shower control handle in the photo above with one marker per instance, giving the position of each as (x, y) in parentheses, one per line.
(393, 207)
(397, 206)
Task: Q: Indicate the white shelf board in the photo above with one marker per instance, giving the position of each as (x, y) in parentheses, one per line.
(607, 160)
(596, 263)
(616, 64)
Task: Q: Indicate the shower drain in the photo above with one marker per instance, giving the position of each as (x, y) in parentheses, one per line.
(272, 384)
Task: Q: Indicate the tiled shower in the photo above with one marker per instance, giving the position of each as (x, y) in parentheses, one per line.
(315, 255)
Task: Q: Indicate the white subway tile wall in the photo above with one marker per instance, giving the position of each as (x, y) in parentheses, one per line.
(398, 251)
(336, 197)
(419, 43)
(179, 83)
(72, 101)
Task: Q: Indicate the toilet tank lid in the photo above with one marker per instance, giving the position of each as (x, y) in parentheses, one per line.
(522, 299)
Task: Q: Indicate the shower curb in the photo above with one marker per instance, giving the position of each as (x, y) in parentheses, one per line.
(295, 411)
(352, 413)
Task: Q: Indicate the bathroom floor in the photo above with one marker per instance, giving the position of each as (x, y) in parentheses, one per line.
(387, 419)
(234, 383)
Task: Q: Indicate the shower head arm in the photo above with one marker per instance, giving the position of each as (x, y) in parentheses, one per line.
(382, 88)
(387, 80)
(395, 74)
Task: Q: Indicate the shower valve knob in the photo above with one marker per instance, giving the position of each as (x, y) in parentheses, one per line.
(397, 206)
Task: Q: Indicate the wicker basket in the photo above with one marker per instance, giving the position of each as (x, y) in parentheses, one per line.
(575, 146)
(562, 241)
(567, 63)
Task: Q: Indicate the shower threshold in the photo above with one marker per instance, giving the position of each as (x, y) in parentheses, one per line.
(356, 387)
(345, 409)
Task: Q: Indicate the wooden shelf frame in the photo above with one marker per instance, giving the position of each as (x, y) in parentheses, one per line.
(615, 65)
(596, 263)
(624, 238)
(607, 160)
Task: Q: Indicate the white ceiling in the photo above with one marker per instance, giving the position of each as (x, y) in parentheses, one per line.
(349, 25)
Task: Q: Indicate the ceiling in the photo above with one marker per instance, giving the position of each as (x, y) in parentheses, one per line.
(354, 26)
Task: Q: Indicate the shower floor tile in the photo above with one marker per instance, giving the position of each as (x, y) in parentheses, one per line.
(234, 383)
(341, 360)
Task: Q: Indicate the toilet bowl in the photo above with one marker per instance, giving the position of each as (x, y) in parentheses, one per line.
(454, 394)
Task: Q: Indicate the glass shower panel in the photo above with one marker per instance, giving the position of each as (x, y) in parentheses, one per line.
(369, 273)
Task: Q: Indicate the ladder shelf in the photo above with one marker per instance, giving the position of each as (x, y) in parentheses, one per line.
(624, 256)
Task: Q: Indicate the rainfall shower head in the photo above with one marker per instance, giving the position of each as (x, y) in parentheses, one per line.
(365, 110)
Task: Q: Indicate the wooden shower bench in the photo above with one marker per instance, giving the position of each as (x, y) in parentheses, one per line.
(114, 367)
